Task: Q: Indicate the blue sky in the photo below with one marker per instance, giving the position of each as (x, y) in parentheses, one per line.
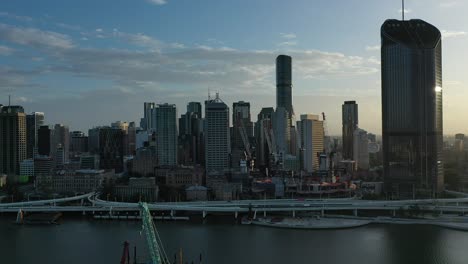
(86, 63)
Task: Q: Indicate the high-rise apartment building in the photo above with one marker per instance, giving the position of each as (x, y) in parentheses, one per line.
(166, 132)
(412, 108)
(217, 143)
(284, 83)
(311, 134)
(12, 139)
(350, 123)
(33, 122)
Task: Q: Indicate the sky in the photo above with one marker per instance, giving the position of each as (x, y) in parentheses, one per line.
(88, 63)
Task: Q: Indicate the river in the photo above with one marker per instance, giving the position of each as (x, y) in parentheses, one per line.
(83, 241)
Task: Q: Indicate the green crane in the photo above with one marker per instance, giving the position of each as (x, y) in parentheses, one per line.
(155, 246)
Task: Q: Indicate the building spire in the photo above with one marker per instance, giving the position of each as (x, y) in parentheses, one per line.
(403, 10)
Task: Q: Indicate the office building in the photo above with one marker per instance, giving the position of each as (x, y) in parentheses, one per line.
(263, 133)
(350, 123)
(195, 107)
(12, 139)
(26, 170)
(111, 150)
(166, 132)
(148, 119)
(90, 162)
(412, 108)
(43, 165)
(33, 122)
(78, 143)
(282, 130)
(361, 149)
(459, 145)
(284, 83)
(217, 143)
(242, 132)
(191, 148)
(144, 162)
(93, 140)
(311, 134)
(61, 138)
(43, 144)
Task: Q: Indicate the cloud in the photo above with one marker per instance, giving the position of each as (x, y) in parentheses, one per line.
(373, 48)
(287, 43)
(68, 26)
(13, 79)
(139, 39)
(157, 2)
(34, 37)
(5, 51)
(448, 4)
(288, 35)
(98, 29)
(169, 69)
(16, 17)
(452, 34)
(407, 11)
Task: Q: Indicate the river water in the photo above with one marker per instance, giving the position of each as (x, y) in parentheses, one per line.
(83, 241)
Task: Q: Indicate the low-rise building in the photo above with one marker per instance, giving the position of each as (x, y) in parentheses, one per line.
(197, 193)
(180, 176)
(138, 189)
(79, 181)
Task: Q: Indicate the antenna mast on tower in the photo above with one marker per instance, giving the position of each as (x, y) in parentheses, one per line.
(403, 10)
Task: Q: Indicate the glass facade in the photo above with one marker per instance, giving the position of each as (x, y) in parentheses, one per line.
(412, 108)
(284, 83)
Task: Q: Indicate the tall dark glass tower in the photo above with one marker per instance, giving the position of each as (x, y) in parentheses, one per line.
(284, 83)
(350, 123)
(412, 108)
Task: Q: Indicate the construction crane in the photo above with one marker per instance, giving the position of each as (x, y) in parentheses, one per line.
(327, 148)
(245, 140)
(155, 246)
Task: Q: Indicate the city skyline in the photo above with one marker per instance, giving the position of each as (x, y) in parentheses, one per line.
(66, 58)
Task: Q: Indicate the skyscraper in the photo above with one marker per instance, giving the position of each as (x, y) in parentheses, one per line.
(12, 139)
(111, 150)
(43, 144)
(217, 143)
(263, 127)
(412, 108)
(242, 129)
(147, 120)
(284, 83)
(166, 132)
(33, 122)
(78, 142)
(350, 123)
(361, 149)
(61, 139)
(195, 107)
(311, 135)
